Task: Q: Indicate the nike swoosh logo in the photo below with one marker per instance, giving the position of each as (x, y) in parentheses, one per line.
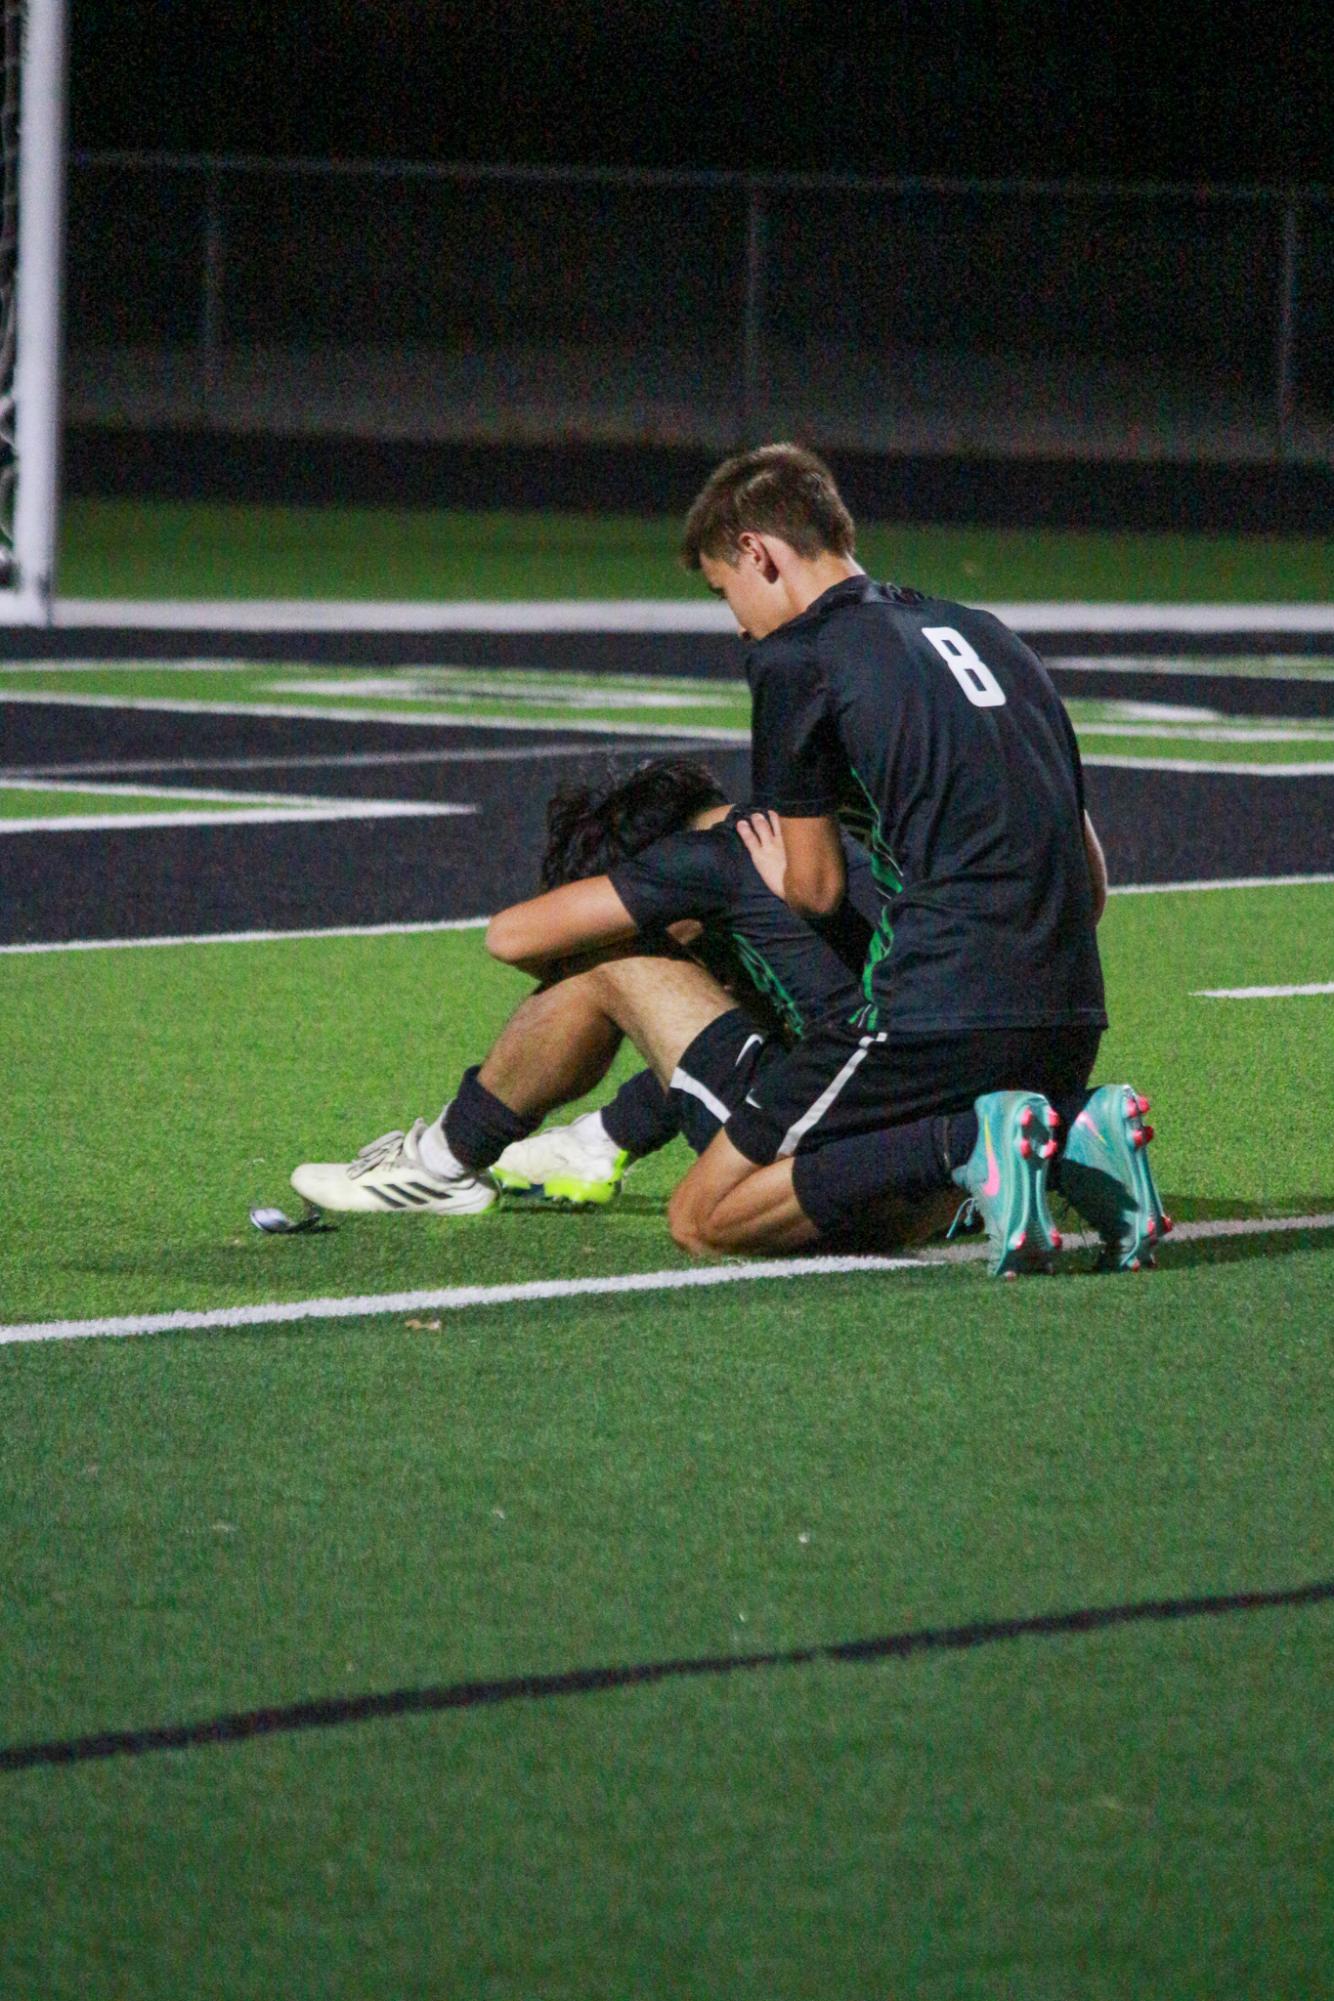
(1089, 1127)
(991, 1186)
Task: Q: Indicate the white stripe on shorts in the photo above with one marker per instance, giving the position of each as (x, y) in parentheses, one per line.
(681, 1080)
(795, 1134)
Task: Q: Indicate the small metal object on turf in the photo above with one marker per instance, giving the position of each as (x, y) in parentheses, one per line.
(276, 1223)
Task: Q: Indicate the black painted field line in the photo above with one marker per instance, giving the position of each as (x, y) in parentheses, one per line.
(334, 1711)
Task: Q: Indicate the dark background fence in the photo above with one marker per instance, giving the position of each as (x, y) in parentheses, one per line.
(388, 301)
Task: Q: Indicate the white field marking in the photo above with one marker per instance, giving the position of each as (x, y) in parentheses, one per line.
(338, 758)
(446, 1298)
(1210, 767)
(408, 718)
(1263, 667)
(544, 690)
(1224, 882)
(136, 666)
(267, 816)
(13, 782)
(248, 937)
(1212, 732)
(479, 923)
(1262, 993)
(456, 1298)
(630, 615)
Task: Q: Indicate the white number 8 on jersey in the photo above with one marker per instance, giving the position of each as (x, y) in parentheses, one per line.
(972, 673)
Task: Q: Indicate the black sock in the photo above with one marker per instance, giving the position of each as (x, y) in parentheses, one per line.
(640, 1118)
(835, 1183)
(479, 1126)
(959, 1139)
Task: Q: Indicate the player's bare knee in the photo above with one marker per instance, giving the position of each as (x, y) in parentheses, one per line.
(684, 1216)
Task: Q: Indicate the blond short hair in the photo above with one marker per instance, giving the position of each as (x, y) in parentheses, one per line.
(779, 489)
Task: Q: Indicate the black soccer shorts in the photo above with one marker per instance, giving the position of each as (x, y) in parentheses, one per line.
(715, 1072)
(840, 1081)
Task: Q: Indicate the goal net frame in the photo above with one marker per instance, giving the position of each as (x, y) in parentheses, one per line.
(31, 261)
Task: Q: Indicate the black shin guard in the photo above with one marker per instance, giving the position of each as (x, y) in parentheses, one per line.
(836, 1184)
(479, 1126)
(640, 1118)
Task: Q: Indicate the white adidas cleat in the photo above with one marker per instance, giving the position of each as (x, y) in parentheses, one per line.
(390, 1174)
(561, 1165)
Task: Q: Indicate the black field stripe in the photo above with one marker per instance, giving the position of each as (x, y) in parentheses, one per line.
(330, 1712)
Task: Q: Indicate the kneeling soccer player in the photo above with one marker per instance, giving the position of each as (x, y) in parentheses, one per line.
(985, 997)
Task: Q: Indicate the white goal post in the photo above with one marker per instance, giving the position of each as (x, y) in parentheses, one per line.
(31, 257)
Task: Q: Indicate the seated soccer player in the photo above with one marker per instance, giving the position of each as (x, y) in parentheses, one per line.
(716, 871)
(779, 968)
(969, 1063)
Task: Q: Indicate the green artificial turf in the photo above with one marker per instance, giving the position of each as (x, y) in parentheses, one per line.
(218, 1067)
(207, 1523)
(148, 549)
(202, 1523)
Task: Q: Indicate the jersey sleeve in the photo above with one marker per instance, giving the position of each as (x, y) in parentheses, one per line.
(682, 875)
(796, 763)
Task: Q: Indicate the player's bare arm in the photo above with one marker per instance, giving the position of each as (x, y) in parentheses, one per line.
(1097, 868)
(577, 917)
(817, 875)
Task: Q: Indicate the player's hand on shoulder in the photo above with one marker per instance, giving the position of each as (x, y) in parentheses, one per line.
(762, 838)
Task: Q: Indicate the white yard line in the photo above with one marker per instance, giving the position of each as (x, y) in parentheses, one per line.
(1181, 729)
(455, 1298)
(1262, 993)
(479, 923)
(685, 615)
(338, 759)
(20, 782)
(248, 937)
(1264, 667)
(1223, 882)
(268, 816)
(1207, 767)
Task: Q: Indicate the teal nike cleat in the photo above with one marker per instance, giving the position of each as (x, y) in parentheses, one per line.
(1105, 1174)
(1005, 1178)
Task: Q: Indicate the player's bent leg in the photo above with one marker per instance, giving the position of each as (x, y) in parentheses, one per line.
(727, 1203)
(557, 1045)
(661, 1004)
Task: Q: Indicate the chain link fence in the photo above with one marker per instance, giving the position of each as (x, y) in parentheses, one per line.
(392, 300)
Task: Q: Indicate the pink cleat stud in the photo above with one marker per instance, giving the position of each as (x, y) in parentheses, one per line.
(1141, 1104)
(1148, 1134)
(1140, 1137)
(1019, 1239)
(1025, 1118)
(1150, 1228)
(1168, 1226)
(1053, 1117)
(1133, 1265)
(1048, 1150)
(1056, 1240)
(1025, 1148)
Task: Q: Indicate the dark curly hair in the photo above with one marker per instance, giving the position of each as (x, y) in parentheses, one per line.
(589, 831)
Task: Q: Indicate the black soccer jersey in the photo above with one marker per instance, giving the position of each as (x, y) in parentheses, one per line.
(941, 730)
(805, 971)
